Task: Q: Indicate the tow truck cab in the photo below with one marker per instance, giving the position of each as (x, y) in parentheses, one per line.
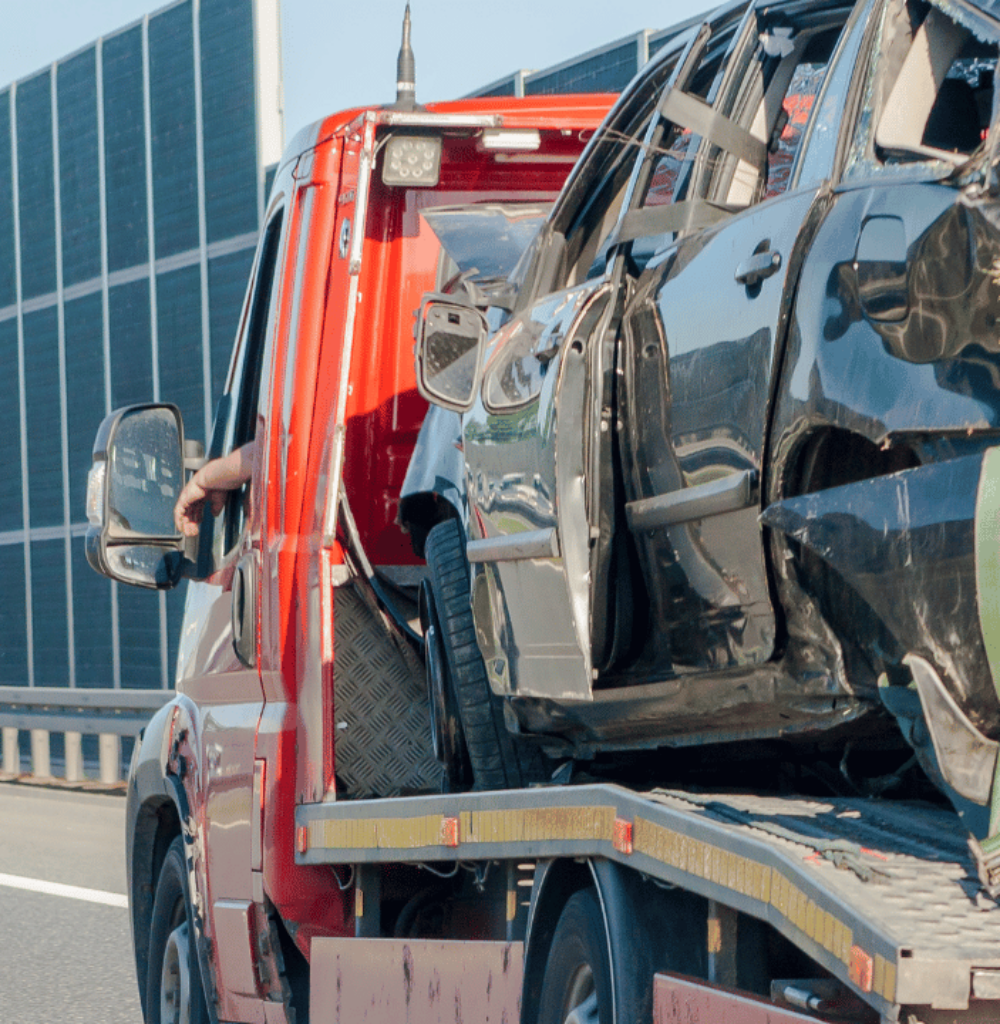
(295, 681)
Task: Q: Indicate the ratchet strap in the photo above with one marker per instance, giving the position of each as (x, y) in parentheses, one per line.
(688, 215)
(687, 111)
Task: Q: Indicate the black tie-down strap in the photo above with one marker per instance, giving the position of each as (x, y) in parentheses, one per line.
(688, 215)
(694, 114)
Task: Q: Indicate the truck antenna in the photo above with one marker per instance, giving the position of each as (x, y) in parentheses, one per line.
(406, 70)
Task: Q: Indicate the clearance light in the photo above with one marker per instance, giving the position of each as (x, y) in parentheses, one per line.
(95, 493)
(412, 160)
(512, 140)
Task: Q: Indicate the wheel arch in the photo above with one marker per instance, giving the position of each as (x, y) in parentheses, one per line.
(157, 809)
(631, 905)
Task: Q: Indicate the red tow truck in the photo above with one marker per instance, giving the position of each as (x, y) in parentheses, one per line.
(309, 838)
(294, 685)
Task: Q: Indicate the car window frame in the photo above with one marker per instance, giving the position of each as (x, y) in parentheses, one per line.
(239, 406)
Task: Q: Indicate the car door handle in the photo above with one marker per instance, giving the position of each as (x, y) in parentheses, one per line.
(759, 266)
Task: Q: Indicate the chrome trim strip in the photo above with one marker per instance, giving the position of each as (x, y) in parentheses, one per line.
(728, 494)
(515, 547)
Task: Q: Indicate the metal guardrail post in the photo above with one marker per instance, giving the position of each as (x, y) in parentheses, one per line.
(110, 756)
(106, 713)
(74, 756)
(41, 765)
(11, 751)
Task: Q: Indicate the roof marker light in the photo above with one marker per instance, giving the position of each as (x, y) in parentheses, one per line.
(511, 140)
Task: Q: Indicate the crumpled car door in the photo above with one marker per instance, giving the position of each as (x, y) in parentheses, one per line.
(526, 448)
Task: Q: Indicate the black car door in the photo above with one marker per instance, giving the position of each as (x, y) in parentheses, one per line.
(539, 443)
(701, 343)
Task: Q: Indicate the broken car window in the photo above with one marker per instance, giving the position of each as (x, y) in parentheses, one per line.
(929, 92)
(816, 160)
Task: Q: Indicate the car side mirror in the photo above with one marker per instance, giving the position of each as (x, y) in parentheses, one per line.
(135, 478)
(450, 342)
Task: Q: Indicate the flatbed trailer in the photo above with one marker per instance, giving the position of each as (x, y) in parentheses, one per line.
(882, 896)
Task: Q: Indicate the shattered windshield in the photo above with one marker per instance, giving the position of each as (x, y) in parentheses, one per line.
(486, 240)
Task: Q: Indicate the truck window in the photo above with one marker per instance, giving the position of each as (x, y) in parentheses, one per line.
(239, 405)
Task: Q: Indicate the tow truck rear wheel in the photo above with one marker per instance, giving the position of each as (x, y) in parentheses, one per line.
(497, 760)
(174, 992)
(576, 988)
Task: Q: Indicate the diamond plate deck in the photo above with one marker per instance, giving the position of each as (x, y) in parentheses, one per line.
(381, 714)
(922, 896)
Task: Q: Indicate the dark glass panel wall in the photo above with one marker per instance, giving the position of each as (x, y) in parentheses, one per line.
(131, 354)
(93, 641)
(230, 136)
(8, 279)
(41, 378)
(85, 405)
(35, 186)
(120, 317)
(13, 618)
(227, 285)
(79, 181)
(180, 343)
(174, 134)
(139, 638)
(125, 150)
(49, 613)
(11, 517)
(608, 71)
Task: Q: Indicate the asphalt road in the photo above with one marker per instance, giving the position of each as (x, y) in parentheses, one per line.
(65, 950)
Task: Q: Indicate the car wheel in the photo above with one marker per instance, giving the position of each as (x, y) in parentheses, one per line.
(576, 987)
(498, 761)
(174, 992)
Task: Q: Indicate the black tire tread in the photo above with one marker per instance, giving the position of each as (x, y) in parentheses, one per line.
(171, 885)
(498, 761)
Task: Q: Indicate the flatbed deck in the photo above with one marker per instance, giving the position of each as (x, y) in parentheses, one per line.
(882, 894)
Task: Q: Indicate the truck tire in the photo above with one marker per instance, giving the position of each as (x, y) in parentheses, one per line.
(576, 987)
(174, 992)
(497, 760)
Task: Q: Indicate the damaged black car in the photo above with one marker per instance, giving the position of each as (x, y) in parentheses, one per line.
(726, 468)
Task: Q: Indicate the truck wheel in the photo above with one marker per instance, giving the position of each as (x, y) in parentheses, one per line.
(576, 988)
(174, 992)
(497, 761)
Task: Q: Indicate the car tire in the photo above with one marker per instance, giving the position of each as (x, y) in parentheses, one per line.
(576, 986)
(498, 760)
(174, 990)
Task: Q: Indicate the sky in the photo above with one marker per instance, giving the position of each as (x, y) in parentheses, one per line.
(337, 54)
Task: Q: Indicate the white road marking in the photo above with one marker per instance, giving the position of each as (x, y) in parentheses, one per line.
(72, 892)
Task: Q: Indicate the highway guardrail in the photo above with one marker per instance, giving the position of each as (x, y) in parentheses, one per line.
(43, 710)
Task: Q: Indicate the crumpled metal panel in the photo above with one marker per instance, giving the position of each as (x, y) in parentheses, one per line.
(382, 744)
(420, 981)
(909, 533)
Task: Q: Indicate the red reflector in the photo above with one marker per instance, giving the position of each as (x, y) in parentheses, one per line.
(622, 837)
(860, 969)
(302, 838)
(449, 831)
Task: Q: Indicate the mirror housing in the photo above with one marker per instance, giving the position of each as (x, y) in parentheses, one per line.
(451, 338)
(135, 477)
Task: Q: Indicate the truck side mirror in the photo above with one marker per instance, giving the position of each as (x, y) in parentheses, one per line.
(450, 342)
(135, 478)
